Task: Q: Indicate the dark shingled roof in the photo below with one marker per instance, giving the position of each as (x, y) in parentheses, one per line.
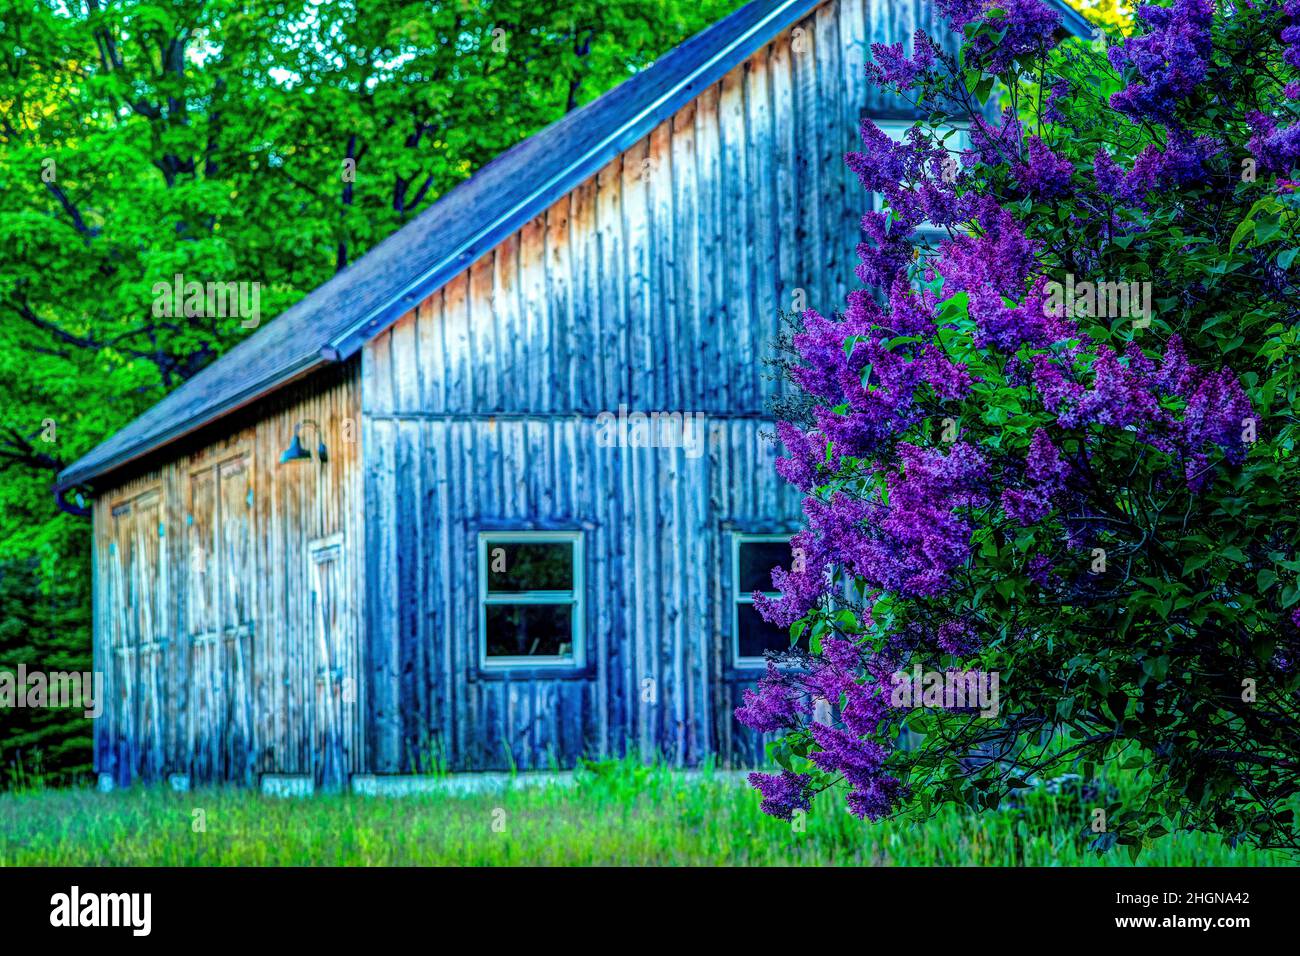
(334, 321)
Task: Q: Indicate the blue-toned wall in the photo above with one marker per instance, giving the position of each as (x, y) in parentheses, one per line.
(658, 285)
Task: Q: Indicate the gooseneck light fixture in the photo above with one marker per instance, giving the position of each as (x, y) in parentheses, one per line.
(296, 451)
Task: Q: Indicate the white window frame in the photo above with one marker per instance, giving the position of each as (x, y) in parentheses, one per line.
(739, 598)
(575, 599)
(896, 129)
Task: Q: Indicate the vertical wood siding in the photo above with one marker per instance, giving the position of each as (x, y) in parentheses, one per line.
(660, 281)
(208, 625)
(247, 619)
(656, 528)
(657, 284)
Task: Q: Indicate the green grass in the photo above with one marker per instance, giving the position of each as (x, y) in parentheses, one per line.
(624, 814)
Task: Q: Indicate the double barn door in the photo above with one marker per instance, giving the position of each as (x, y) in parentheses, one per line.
(251, 664)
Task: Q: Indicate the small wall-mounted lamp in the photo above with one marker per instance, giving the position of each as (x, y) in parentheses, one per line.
(296, 451)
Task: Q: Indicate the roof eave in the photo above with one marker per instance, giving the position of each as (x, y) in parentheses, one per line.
(79, 474)
(350, 341)
(368, 326)
(589, 164)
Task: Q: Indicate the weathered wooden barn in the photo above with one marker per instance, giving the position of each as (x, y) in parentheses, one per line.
(409, 521)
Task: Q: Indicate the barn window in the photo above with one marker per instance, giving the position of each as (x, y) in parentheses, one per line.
(530, 610)
(955, 137)
(753, 558)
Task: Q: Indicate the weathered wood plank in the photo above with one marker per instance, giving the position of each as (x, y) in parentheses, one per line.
(654, 284)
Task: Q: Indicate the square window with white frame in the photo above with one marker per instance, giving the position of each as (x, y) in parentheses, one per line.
(955, 137)
(530, 599)
(753, 556)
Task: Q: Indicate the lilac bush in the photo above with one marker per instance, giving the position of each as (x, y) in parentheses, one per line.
(1051, 437)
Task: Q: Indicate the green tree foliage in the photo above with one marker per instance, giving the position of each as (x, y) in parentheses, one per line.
(1085, 495)
(142, 140)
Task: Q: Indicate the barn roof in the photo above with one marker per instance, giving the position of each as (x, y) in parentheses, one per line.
(334, 321)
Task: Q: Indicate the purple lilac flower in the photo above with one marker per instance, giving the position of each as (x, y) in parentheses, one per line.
(821, 344)
(1176, 375)
(1051, 106)
(886, 254)
(841, 676)
(1027, 27)
(892, 67)
(949, 379)
(1126, 394)
(802, 467)
(876, 798)
(1182, 162)
(1040, 570)
(800, 588)
(1216, 415)
(1044, 175)
(1045, 474)
(1119, 397)
(1291, 36)
(1276, 149)
(783, 793)
(1006, 327)
(910, 312)
(960, 12)
(956, 637)
(776, 706)
(1000, 259)
(1167, 61)
(991, 144)
(921, 538)
(844, 752)
(911, 536)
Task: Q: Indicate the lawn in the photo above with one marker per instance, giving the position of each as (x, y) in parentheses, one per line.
(619, 814)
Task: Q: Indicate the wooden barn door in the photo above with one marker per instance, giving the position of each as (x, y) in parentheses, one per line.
(139, 640)
(335, 654)
(222, 584)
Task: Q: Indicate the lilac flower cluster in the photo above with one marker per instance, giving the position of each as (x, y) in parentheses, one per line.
(1027, 28)
(1052, 105)
(890, 66)
(1044, 175)
(993, 143)
(783, 793)
(1166, 62)
(775, 706)
(860, 762)
(912, 177)
(800, 590)
(1182, 161)
(852, 686)
(922, 536)
(1275, 147)
(998, 259)
(1020, 30)
(1291, 37)
(895, 515)
(1046, 475)
(1132, 394)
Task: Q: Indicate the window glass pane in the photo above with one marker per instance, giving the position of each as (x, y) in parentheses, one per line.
(756, 635)
(529, 565)
(529, 630)
(757, 559)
